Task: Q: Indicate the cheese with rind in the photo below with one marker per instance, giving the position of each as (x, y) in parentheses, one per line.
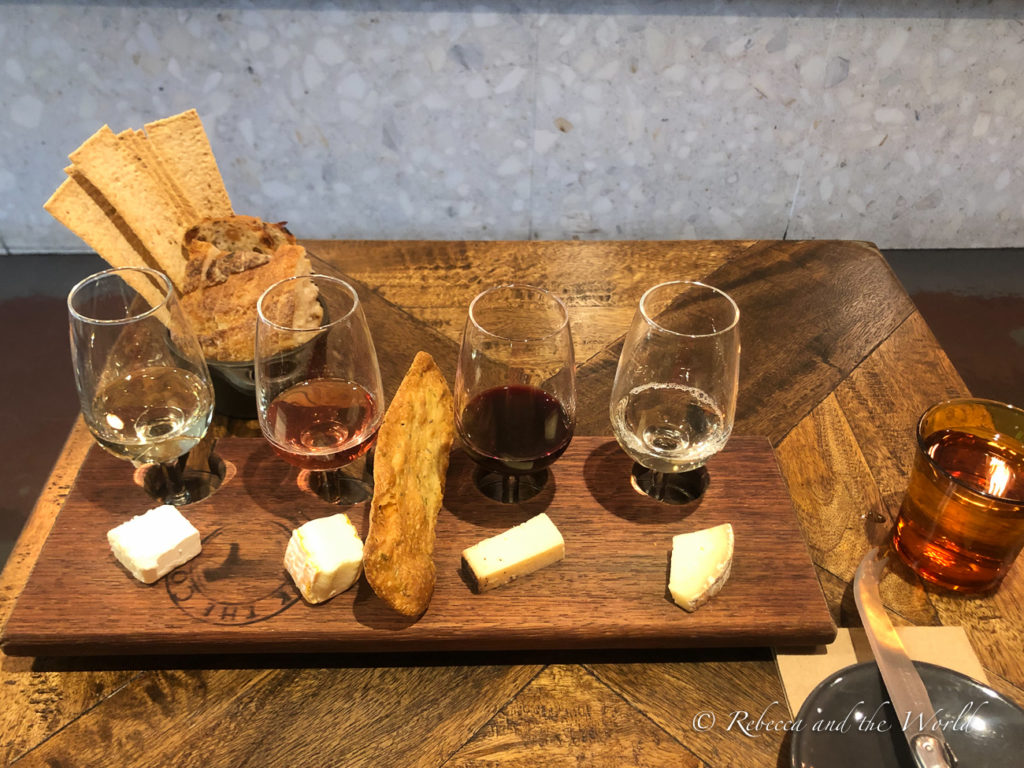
(701, 564)
(526, 548)
(151, 545)
(324, 557)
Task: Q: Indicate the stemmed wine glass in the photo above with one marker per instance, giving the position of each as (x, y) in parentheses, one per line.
(318, 386)
(674, 396)
(515, 397)
(143, 384)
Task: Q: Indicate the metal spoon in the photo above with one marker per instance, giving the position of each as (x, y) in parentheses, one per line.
(907, 693)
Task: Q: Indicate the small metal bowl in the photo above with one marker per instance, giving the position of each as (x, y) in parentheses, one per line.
(234, 388)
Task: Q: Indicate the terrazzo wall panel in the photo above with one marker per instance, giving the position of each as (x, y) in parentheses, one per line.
(896, 122)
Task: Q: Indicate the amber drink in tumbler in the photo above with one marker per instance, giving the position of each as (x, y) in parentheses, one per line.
(961, 525)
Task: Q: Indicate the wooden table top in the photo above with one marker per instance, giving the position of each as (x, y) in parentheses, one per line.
(837, 365)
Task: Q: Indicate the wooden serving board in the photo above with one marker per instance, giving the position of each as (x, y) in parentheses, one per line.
(609, 592)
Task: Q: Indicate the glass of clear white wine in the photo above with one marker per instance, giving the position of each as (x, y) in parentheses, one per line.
(674, 397)
(142, 381)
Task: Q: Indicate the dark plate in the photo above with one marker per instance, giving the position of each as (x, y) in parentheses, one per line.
(848, 721)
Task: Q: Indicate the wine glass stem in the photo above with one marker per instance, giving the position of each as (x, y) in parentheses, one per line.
(332, 485)
(337, 486)
(510, 489)
(170, 484)
(657, 487)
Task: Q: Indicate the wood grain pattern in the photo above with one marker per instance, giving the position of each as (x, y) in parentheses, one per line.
(836, 366)
(601, 300)
(885, 396)
(842, 516)
(610, 591)
(565, 717)
(679, 695)
(237, 717)
(1014, 693)
(36, 703)
(902, 378)
(795, 350)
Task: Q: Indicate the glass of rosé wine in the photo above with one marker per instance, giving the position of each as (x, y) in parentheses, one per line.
(515, 397)
(318, 387)
(143, 384)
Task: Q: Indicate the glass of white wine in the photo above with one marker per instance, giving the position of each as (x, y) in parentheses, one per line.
(142, 381)
(674, 397)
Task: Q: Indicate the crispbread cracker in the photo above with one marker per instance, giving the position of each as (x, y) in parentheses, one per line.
(73, 207)
(140, 144)
(136, 195)
(409, 470)
(184, 148)
(91, 218)
(156, 199)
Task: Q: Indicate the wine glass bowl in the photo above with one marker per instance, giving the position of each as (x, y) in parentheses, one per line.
(318, 388)
(674, 397)
(143, 385)
(515, 397)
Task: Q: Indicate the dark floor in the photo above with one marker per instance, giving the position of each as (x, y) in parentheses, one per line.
(39, 403)
(973, 301)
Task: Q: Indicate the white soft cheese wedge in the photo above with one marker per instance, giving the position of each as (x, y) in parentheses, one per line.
(324, 557)
(151, 545)
(701, 563)
(526, 548)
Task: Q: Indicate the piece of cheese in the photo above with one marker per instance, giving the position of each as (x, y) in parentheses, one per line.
(701, 563)
(324, 557)
(151, 545)
(518, 551)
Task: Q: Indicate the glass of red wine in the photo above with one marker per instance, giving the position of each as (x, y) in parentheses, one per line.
(515, 396)
(318, 386)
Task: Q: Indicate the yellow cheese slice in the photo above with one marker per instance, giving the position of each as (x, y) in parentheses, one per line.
(701, 563)
(526, 548)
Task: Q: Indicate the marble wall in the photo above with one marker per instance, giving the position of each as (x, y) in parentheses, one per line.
(895, 122)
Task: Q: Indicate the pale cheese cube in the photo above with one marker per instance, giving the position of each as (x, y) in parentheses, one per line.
(701, 563)
(526, 548)
(324, 557)
(151, 545)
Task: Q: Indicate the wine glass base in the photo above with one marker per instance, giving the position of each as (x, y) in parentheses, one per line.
(670, 488)
(336, 487)
(179, 484)
(493, 486)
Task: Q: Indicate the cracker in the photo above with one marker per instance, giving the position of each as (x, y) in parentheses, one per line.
(182, 145)
(140, 144)
(146, 207)
(73, 207)
(79, 208)
(410, 465)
